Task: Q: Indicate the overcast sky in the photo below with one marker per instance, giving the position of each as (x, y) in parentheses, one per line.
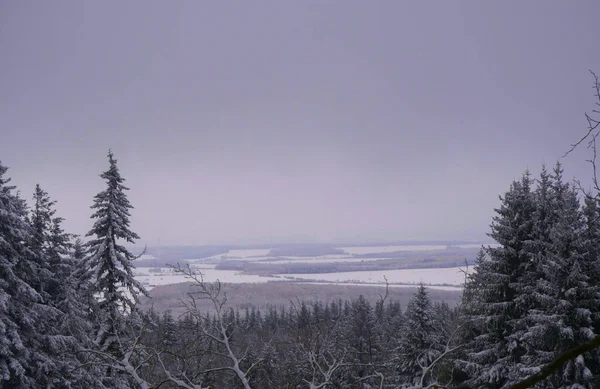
(251, 121)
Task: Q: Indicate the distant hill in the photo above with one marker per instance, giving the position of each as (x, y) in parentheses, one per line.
(304, 251)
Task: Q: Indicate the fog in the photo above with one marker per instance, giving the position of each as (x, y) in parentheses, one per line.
(269, 121)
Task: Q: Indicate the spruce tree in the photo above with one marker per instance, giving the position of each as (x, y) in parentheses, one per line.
(64, 323)
(421, 339)
(25, 338)
(500, 302)
(570, 295)
(107, 270)
(51, 245)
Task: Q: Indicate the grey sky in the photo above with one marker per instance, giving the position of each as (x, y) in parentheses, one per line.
(293, 120)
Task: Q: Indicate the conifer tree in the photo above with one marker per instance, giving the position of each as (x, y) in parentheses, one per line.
(421, 339)
(500, 304)
(24, 312)
(78, 250)
(41, 216)
(107, 270)
(360, 335)
(568, 297)
(16, 296)
(591, 245)
(51, 245)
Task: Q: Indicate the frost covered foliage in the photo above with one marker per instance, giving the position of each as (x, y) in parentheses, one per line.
(105, 273)
(34, 352)
(107, 268)
(536, 296)
(48, 318)
(421, 342)
(18, 298)
(342, 344)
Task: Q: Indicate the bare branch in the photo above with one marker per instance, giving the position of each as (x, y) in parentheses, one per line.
(593, 124)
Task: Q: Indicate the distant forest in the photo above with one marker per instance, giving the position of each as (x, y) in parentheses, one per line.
(529, 315)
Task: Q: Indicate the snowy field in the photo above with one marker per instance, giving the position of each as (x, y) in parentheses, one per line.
(151, 279)
(390, 249)
(446, 279)
(436, 287)
(321, 259)
(262, 255)
(448, 276)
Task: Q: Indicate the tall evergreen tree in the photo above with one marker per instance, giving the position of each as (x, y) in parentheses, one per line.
(50, 244)
(566, 297)
(16, 296)
(107, 270)
(25, 340)
(493, 355)
(41, 216)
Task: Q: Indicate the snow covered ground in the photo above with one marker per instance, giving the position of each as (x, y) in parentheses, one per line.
(359, 250)
(321, 259)
(150, 278)
(446, 279)
(447, 276)
(262, 255)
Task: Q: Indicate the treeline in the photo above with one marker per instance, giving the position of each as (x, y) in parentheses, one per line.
(69, 316)
(342, 344)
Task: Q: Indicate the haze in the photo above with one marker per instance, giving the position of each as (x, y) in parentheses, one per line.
(252, 122)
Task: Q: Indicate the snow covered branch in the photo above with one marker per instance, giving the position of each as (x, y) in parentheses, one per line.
(555, 365)
(217, 330)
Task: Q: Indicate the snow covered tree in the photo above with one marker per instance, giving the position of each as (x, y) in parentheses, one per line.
(420, 342)
(61, 329)
(576, 297)
(500, 305)
(536, 296)
(591, 244)
(27, 340)
(78, 250)
(51, 245)
(17, 297)
(573, 296)
(41, 216)
(360, 337)
(561, 297)
(107, 270)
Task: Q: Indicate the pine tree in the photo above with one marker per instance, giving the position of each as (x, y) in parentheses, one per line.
(567, 295)
(107, 270)
(78, 250)
(41, 216)
(64, 322)
(361, 336)
(16, 296)
(24, 312)
(500, 304)
(421, 340)
(591, 244)
(51, 245)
